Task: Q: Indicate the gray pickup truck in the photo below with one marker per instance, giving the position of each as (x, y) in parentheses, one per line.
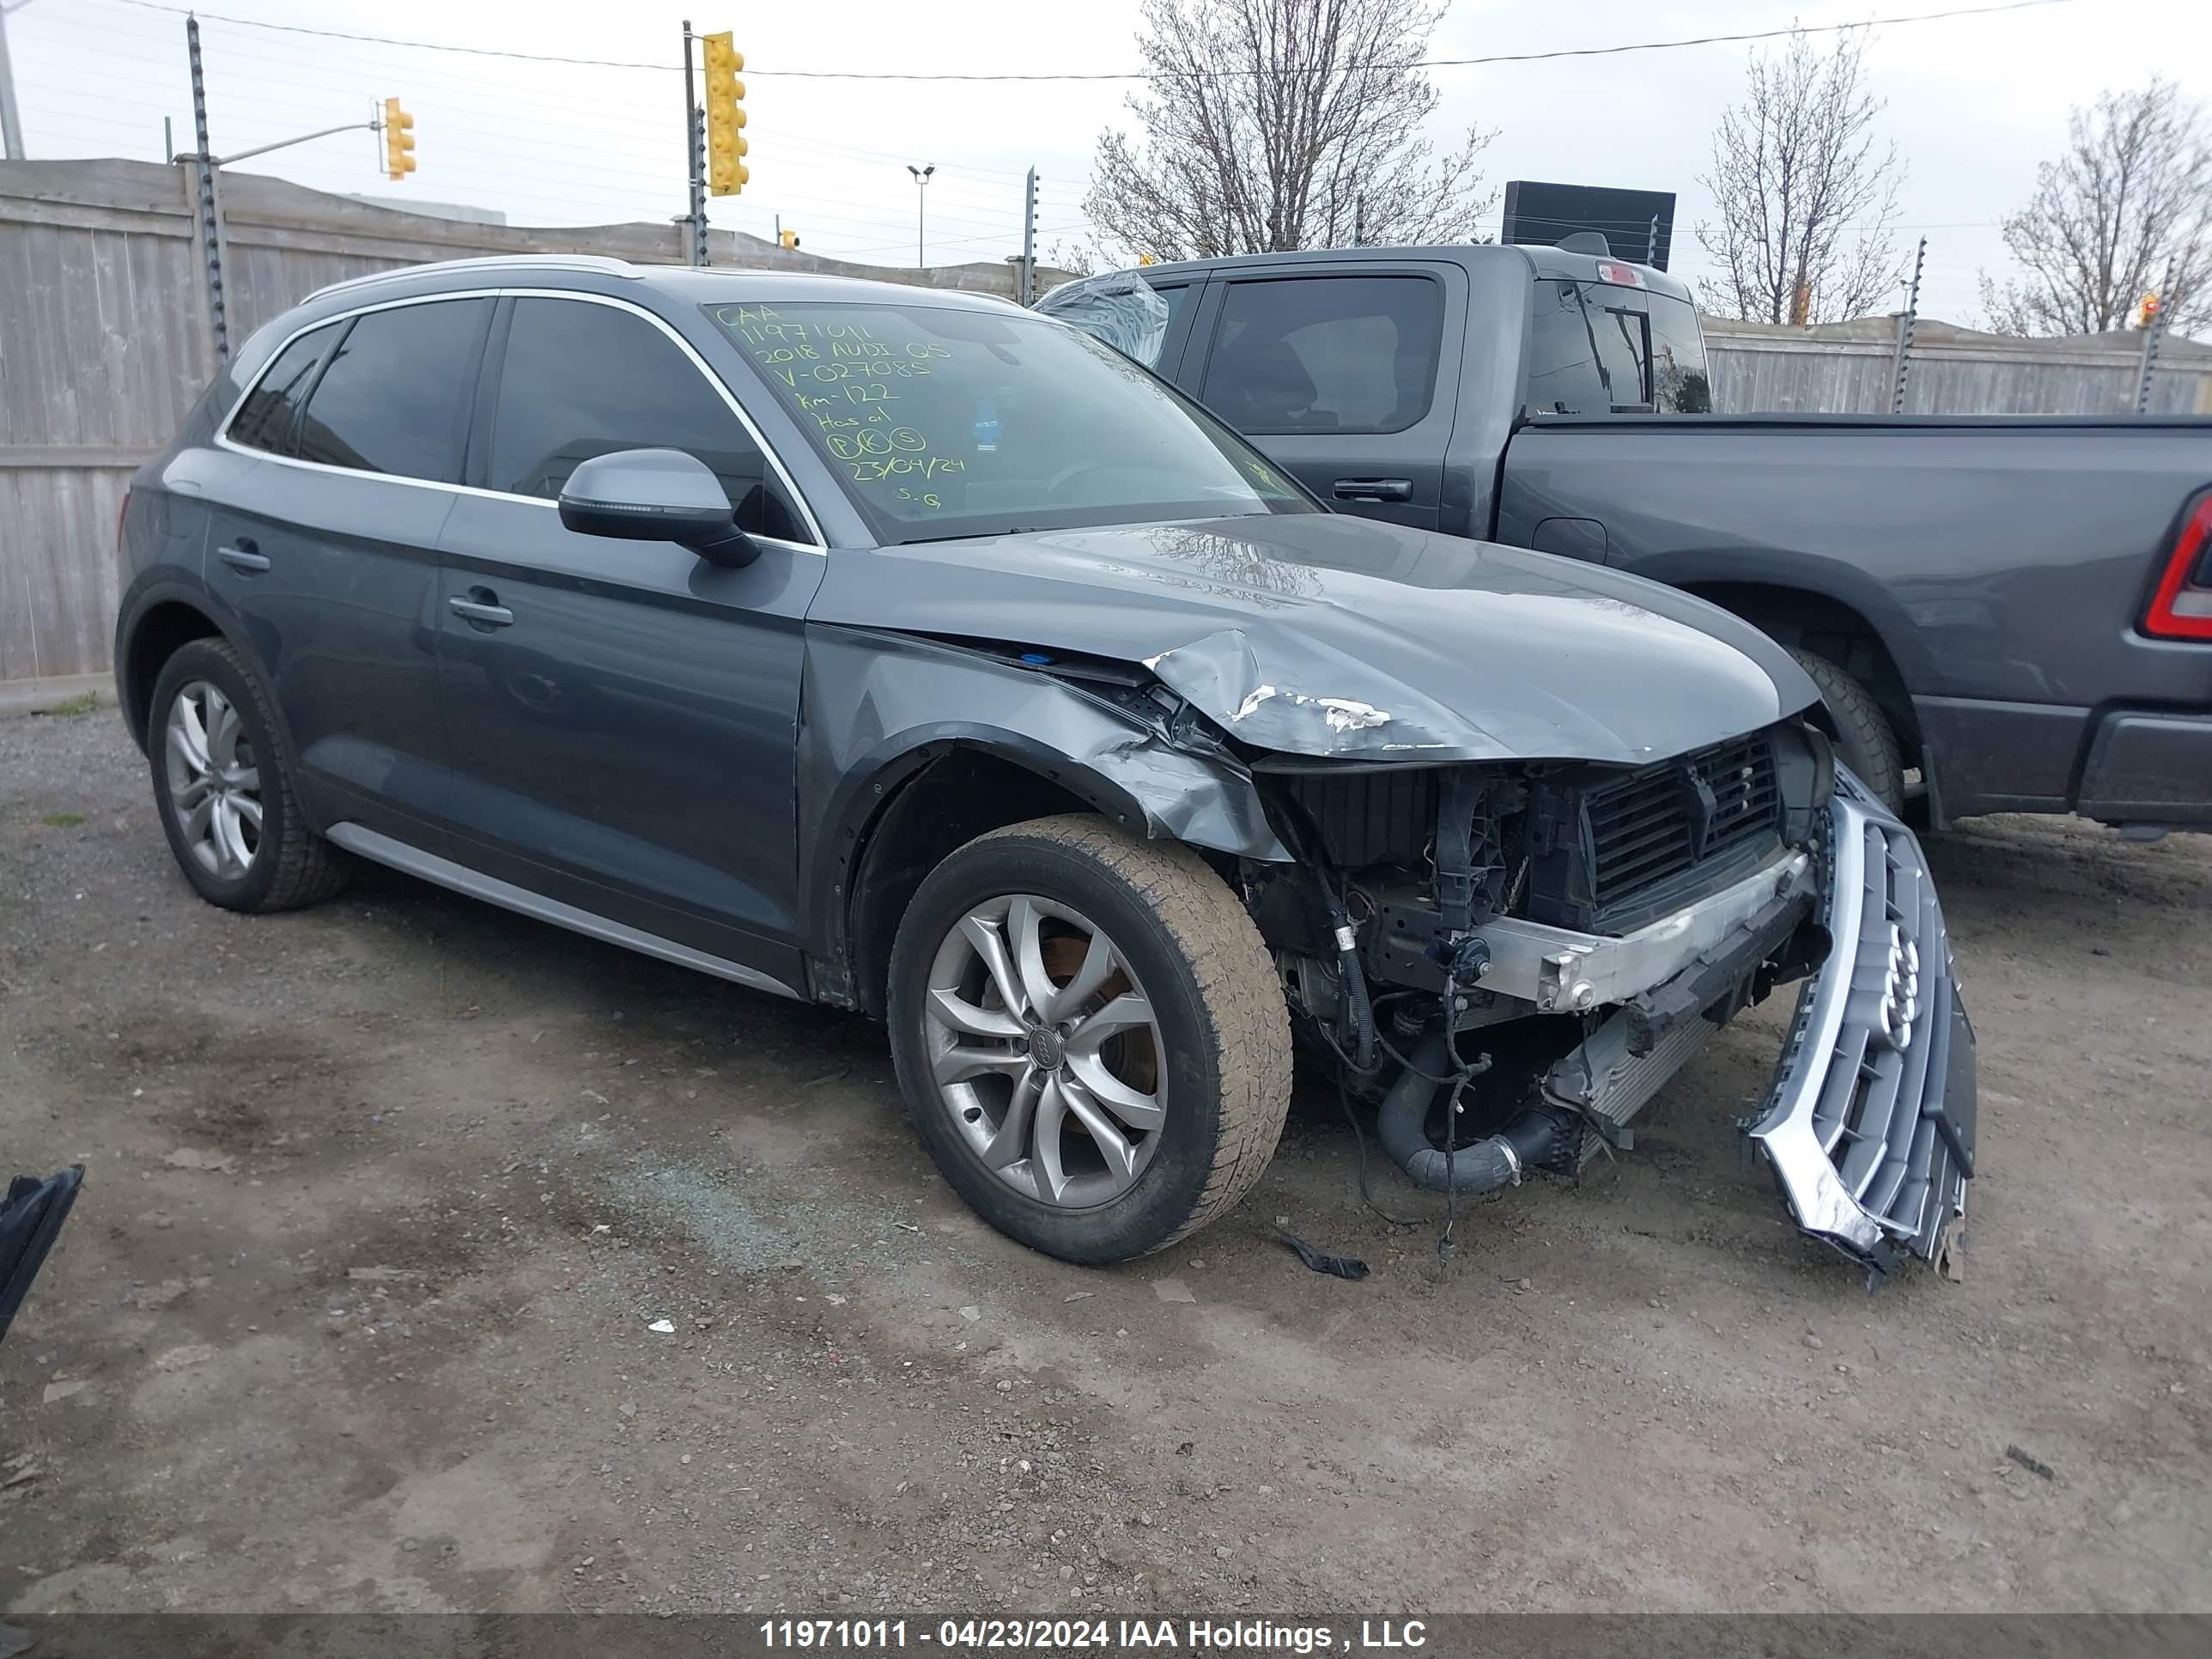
(2017, 609)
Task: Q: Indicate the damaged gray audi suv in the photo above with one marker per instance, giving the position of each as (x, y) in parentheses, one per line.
(906, 652)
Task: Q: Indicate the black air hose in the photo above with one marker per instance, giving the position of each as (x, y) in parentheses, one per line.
(1529, 1141)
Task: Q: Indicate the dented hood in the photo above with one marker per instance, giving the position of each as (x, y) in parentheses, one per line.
(1324, 635)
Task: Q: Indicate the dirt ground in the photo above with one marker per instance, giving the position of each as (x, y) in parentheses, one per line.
(384, 1200)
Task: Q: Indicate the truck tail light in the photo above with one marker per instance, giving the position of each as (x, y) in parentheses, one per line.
(2182, 607)
(1621, 276)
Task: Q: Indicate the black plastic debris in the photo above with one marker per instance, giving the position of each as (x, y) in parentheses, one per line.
(31, 1218)
(1343, 1267)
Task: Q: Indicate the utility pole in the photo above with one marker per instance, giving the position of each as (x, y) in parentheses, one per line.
(11, 118)
(920, 186)
(209, 203)
(1907, 320)
(2151, 336)
(694, 158)
(1029, 239)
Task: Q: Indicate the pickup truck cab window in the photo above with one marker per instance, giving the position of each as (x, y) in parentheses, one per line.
(952, 422)
(390, 400)
(1325, 354)
(579, 379)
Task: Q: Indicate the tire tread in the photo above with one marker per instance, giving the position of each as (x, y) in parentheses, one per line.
(1860, 723)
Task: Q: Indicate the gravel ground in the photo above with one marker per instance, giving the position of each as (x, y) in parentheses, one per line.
(387, 1199)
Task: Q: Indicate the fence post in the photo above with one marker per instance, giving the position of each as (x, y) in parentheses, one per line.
(1906, 321)
(2150, 344)
(1029, 239)
(209, 202)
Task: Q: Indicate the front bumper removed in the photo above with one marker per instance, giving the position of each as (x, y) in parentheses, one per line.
(1869, 1127)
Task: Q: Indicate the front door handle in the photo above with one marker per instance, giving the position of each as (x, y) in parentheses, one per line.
(243, 556)
(1374, 489)
(480, 611)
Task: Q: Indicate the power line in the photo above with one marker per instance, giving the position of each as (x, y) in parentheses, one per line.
(1738, 38)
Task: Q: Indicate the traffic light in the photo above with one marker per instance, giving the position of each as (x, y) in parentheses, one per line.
(726, 172)
(398, 140)
(2149, 313)
(788, 238)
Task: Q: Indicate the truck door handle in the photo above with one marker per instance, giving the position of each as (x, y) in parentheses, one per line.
(1374, 489)
(482, 608)
(244, 556)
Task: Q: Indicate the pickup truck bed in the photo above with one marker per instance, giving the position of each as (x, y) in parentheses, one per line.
(1985, 578)
(2021, 607)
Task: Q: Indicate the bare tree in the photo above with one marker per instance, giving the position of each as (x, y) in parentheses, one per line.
(1283, 124)
(1807, 200)
(2130, 198)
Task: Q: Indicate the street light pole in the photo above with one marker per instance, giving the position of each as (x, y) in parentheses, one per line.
(11, 120)
(921, 183)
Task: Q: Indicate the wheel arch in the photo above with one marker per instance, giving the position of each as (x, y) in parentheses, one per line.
(154, 625)
(894, 820)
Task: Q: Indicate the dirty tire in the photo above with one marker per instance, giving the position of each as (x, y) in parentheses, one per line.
(292, 867)
(1865, 741)
(1222, 1022)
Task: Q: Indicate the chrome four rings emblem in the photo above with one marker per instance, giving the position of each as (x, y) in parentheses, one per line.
(1899, 1008)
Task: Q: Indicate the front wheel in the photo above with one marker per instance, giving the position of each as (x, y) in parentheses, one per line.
(1090, 1037)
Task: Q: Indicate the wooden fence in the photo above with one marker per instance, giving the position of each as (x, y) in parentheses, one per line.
(1848, 368)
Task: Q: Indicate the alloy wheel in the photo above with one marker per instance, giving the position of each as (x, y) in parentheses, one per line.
(215, 781)
(1045, 1051)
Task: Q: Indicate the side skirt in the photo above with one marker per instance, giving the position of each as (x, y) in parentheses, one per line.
(412, 860)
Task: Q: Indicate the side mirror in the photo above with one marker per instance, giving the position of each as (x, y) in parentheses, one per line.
(656, 495)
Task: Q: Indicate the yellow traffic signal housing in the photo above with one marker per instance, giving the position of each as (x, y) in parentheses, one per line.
(2149, 313)
(398, 140)
(727, 147)
(788, 238)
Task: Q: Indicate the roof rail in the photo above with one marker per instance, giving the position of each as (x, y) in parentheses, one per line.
(600, 263)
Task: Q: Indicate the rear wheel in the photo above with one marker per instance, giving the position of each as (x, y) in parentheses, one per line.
(1865, 740)
(222, 784)
(1090, 1037)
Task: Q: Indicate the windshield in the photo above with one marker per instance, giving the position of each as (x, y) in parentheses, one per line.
(949, 422)
(1599, 349)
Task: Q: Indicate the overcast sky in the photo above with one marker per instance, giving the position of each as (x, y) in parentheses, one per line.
(1973, 104)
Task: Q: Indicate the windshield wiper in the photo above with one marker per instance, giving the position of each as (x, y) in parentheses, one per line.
(965, 536)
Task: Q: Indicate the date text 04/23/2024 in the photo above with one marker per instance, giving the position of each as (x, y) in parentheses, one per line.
(1203, 1635)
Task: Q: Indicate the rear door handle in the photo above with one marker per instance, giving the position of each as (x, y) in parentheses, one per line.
(244, 556)
(1374, 489)
(482, 612)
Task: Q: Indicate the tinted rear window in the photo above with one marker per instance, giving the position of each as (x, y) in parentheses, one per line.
(267, 417)
(391, 400)
(1596, 348)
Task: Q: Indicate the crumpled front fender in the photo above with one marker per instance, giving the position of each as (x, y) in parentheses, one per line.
(876, 707)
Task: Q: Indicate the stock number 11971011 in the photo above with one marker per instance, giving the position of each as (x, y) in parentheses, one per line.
(952, 1635)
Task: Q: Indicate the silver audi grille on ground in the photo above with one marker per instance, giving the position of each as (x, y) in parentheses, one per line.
(1870, 1126)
